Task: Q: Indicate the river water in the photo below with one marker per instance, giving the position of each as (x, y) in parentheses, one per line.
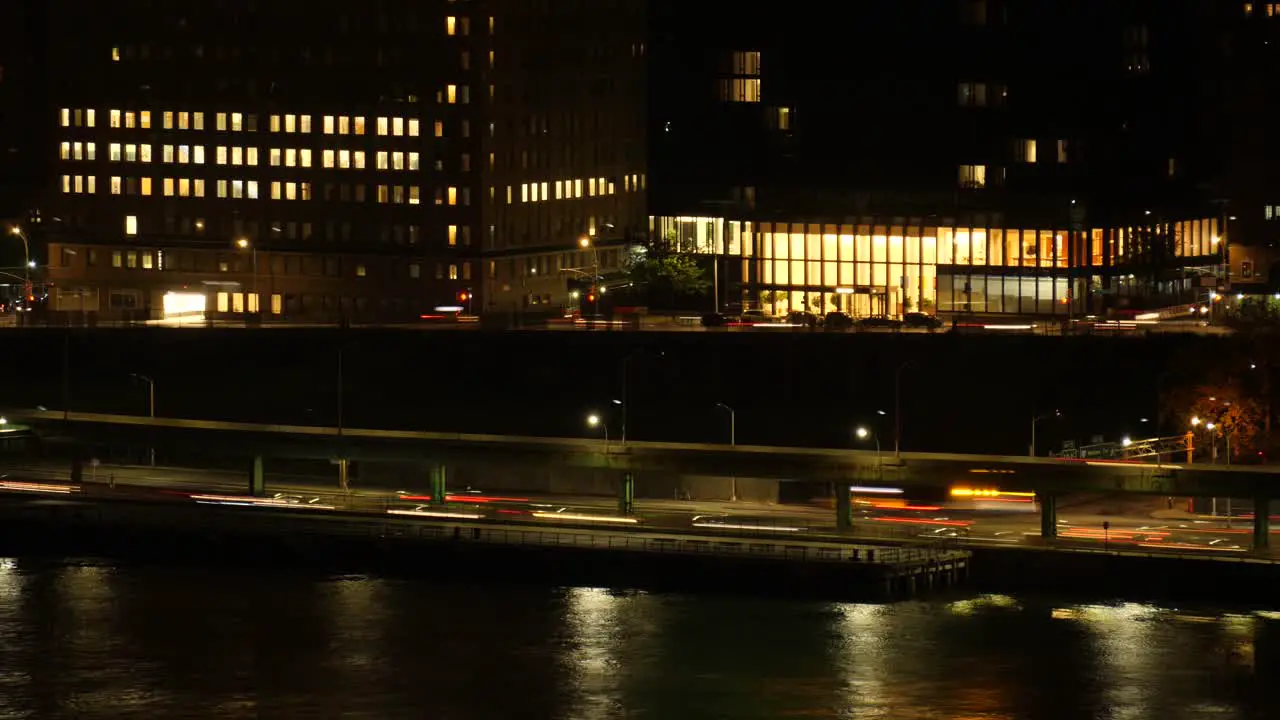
(90, 639)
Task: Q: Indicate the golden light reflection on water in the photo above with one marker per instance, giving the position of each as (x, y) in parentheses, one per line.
(592, 620)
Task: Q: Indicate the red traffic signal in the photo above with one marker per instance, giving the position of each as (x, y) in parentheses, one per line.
(463, 296)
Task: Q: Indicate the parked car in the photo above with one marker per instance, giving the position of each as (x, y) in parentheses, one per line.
(805, 319)
(757, 316)
(715, 320)
(838, 321)
(921, 320)
(879, 323)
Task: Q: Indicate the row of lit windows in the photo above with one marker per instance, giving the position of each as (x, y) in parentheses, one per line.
(248, 189)
(286, 123)
(564, 189)
(277, 157)
(147, 260)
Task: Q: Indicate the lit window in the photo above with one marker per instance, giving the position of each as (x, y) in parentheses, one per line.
(290, 123)
(326, 158)
(117, 187)
(167, 184)
(237, 188)
(65, 115)
(198, 191)
(273, 157)
(275, 123)
(360, 271)
(276, 192)
(344, 159)
(415, 195)
(130, 225)
(144, 119)
(147, 261)
(251, 189)
(222, 188)
(197, 120)
(66, 183)
(65, 151)
(451, 94)
(524, 192)
(117, 259)
(90, 117)
(304, 123)
(184, 188)
(397, 126)
(384, 195)
(413, 161)
(167, 153)
(237, 122)
(413, 127)
(184, 120)
(131, 259)
(1062, 151)
(304, 157)
(184, 154)
(144, 152)
(450, 25)
(130, 119)
(146, 186)
(453, 196)
(168, 119)
(973, 176)
(113, 152)
(453, 234)
(237, 156)
(740, 90)
(290, 157)
(251, 156)
(359, 125)
(397, 160)
(91, 184)
(1026, 151)
(222, 121)
(397, 194)
(328, 124)
(357, 159)
(113, 118)
(220, 155)
(131, 153)
(291, 191)
(439, 128)
(198, 154)
(382, 126)
(453, 272)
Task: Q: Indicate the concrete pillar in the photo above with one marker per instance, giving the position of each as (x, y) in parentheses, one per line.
(257, 483)
(627, 494)
(1048, 515)
(1261, 524)
(844, 507)
(439, 492)
(344, 482)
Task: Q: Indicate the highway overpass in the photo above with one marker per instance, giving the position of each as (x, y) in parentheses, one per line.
(591, 464)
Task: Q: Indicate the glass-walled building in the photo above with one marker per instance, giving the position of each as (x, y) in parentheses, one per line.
(884, 268)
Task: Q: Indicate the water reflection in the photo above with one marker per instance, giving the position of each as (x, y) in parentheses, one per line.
(91, 641)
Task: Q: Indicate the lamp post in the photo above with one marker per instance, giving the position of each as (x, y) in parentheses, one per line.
(593, 420)
(586, 243)
(862, 434)
(733, 442)
(26, 263)
(1035, 419)
(151, 407)
(244, 244)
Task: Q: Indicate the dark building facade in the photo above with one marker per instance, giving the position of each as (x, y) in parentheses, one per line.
(371, 161)
(22, 106)
(956, 156)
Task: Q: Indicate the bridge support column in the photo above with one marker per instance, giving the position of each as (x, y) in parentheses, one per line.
(439, 481)
(627, 494)
(844, 507)
(257, 483)
(344, 480)
(1261, 524)
(1048, 515)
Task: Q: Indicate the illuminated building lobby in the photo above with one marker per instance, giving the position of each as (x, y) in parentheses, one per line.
(873, 268)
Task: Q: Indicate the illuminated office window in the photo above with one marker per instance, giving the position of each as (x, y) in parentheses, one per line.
(168, 119)
(344, 159)
(184, 120)
(220, 155)
(130, 119)
(91, 151)
(357, 159)
(222, 188)
(439, 128)
(344, 125)
(92, 183)
(397, 160)
(221, 121)
(144, 152)
(453, 196)
(167, 153)
(382, 126)
(65, 151)
(413, 161)
(131, 153)
(451, 94)
(144, 119)
(167, 185)
(90, 117)
(973, 176)
(198, 190)
(415, 195)
(453, 234)
(524, 192)
(397, 126)
(251, 156)
(304, 157)
(327, 158)
(450, 25)
(358, 125)
(237, 189)
(130, 224)
(274, 123)
(380, 160)
(237, 156)
(276, 192)
(65, 117)
(117, 187)
(384, 194)
(146, 186)
(113, 152)
(197, 121)
(197, 154)
(184, 187)
(237, 122)
(413, 127)
(290, 123)
(184, 154)
(328, 124)
(251, 189)
(397, 195)
(304, 124)
(113, 118)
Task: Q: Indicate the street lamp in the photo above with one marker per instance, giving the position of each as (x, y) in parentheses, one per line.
(244, 244)
(151, 406)
(593, 420)
(27, 263)
(733, 442)
(585, 242)
(862, 433)
(1034, 421)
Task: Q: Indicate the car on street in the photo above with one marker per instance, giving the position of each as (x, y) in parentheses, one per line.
(838, 321)
(922, 321)
(878, 323)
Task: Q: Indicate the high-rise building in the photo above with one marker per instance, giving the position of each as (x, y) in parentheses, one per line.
(370, 161)
(1060, 157)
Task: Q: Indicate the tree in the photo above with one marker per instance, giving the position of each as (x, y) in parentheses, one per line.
(1235, 413)
(666, 275)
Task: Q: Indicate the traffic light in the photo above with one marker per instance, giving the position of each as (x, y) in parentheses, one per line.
(591, 297)
(463, 296)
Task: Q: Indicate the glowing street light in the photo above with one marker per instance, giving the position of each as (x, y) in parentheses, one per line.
(594, 421)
